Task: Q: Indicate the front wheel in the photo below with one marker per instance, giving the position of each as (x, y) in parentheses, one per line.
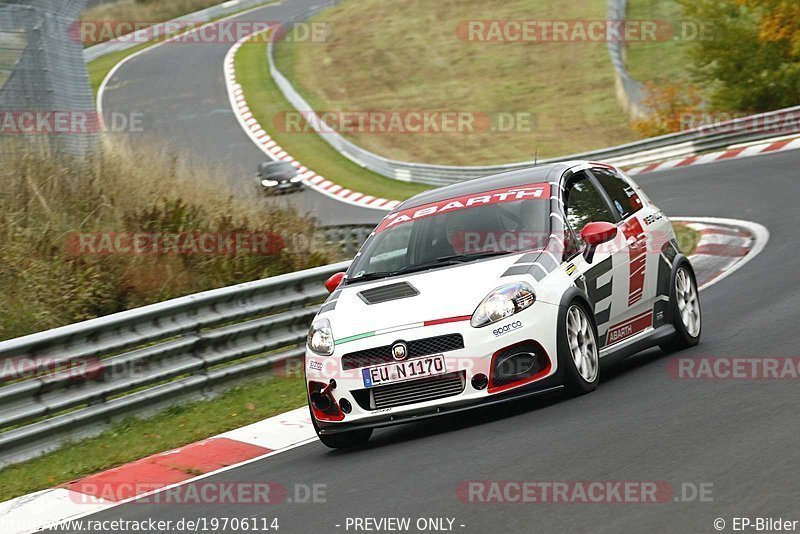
(580, 355)
(686, 315)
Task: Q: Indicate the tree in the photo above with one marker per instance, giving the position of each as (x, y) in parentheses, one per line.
(751, 62)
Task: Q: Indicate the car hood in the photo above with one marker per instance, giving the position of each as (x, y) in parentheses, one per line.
(446, 292)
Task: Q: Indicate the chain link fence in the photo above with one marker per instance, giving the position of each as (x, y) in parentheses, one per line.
(45, 98)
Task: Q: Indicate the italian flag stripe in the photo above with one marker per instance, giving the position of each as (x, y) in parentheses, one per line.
(354, 338)
(402, 327)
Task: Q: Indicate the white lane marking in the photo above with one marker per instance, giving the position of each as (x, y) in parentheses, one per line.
(43, 509)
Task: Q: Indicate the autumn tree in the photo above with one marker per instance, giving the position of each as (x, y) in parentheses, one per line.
(751, 61)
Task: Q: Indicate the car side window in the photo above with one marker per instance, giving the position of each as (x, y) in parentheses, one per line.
(622, 195)
(584, 204)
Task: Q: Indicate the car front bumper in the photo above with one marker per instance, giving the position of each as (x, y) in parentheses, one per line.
(536, 324)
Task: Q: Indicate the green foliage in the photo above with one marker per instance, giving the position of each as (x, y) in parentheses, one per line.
(45, 204)
(746, 65)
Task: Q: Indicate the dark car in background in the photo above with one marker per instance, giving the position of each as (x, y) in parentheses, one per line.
(279, 177)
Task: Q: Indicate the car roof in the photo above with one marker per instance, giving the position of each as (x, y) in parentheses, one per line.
(532, 175)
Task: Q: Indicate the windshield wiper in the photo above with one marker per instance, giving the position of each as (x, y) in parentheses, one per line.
(477, 255)
(438, 262)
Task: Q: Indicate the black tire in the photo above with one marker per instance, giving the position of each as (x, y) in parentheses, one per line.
(682, 339)
(574, 383)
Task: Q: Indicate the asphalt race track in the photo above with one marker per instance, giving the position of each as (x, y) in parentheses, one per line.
(641, 424)
(180, 92)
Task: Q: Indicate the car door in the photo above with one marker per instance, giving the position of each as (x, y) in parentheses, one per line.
(584, 202)
(635, 216)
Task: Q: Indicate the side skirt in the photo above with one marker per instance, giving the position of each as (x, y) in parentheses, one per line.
(638, 343)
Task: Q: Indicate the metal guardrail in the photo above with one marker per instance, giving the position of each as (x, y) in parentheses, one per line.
(347, 237)
(69, 381)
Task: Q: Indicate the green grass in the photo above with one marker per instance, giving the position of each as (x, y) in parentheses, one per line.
(134, 438)
(266, 102)
(406, 55)
(663, 61)
(687, 238)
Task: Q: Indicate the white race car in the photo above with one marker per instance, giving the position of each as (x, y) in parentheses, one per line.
(495, 289)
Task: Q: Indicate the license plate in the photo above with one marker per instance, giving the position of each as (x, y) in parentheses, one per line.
(401, 371)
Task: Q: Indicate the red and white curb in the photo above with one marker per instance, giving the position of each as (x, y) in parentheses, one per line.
(272, 149)
(725, 246)
(767, 147)
(156, 473)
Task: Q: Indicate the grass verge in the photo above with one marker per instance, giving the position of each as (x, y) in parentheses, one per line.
(687, 238)
(135, 438)
(409, 55)
(266, 102)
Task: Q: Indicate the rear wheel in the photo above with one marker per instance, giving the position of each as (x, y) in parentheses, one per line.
(686, 314)
(580, 358)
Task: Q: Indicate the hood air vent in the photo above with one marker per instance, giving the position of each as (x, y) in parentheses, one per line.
(386, 293)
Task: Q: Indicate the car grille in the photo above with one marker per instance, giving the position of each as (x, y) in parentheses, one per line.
(416, 348)
(424, 389)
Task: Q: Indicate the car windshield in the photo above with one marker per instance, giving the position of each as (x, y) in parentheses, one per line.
(455, 231)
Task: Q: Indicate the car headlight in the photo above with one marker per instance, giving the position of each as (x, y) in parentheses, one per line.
(503, 302)
(320, 337)
(296, 179)
(269, 183)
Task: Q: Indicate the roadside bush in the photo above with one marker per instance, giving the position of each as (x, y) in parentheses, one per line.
(751, 62)
(670, 105)
(45, 205)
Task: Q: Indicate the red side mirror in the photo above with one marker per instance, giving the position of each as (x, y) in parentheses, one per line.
(333, 282)
(597, 233)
